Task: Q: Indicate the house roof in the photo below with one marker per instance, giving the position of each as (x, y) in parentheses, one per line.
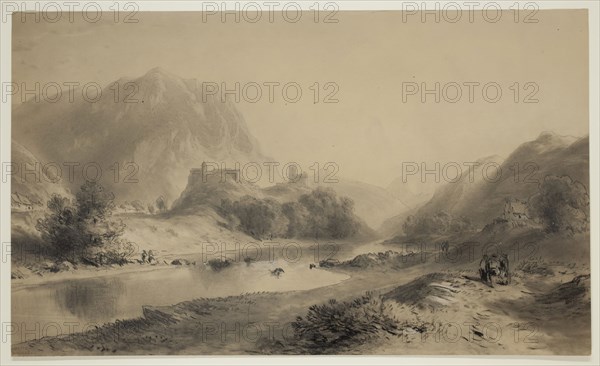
(22, 200)
(518, 207)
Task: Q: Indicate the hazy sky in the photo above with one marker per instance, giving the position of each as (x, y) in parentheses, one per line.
(370, 131)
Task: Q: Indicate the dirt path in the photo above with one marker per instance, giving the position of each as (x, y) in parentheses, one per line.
(459, 315)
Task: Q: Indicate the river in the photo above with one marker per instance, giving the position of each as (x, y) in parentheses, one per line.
(73, 305)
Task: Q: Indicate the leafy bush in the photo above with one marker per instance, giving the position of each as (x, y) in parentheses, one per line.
(319, 214)
(62, 229)
(82, 229)
(535, 266)
(161, 204)
(344, 324)
(114, 252)
(297, 216)
(257, 217)
(329, 216)
(562, 205)
(218, 264)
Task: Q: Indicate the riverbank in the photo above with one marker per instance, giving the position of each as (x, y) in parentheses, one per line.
(389, 303)
(282, 252)
(425, 312)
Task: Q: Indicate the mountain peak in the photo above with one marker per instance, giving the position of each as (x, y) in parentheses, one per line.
(159, 73)
(168, 131)
(157, 70)
(552, 140)
(547, 134)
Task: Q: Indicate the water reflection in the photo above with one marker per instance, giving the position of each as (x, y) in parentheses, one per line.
(90, 299)
(95, 301)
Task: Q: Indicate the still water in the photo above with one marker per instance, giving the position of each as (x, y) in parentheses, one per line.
(69, 306)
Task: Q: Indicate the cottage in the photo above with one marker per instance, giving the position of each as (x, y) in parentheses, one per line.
(18, 201)
(515, 210)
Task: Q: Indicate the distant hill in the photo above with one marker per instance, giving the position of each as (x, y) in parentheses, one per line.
(206, 195)
(411, 193)
(372, 204)
(483, 199)
(170, 129)
(31, 191)
(200, 193)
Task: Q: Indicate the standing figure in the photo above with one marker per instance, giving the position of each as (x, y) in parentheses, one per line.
(484, 268)
(504, 268)
(150, 256)
(445, 246)
(144, 255)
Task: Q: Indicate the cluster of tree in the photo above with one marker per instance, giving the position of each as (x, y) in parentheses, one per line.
(318, 214)
(83, 230)
(561, 205)
(160, 205)
(440, 223)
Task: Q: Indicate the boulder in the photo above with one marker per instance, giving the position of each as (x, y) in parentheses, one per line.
(180, 262)
(63, 267)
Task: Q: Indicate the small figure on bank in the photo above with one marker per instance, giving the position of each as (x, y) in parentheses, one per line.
(150, 256)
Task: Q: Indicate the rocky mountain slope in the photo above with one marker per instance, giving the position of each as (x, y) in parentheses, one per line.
(480, 193)
(155, 127)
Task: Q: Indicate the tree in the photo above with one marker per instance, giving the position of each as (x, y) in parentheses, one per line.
(318, 214)
(297, 216)
(83, 229)
(61, 228)
(258, 217)
(341, 222)
(562, 204)
(93, 203)
(161, 204)
(329, 216)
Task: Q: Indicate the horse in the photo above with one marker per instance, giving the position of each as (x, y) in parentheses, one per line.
(494, 266)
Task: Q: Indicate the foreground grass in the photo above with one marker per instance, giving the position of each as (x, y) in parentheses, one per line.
(393, 320)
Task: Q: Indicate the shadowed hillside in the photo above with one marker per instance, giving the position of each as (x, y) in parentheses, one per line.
(165, 127)
(518, 178)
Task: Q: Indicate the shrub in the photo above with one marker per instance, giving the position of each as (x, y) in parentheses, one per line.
(62, 228)
(161, 204)
(218, 264)
(257, 217)
(535, 266)
(343, 324)
(328, 216)
(116, 252)
(562, 205)
(82, 229)
(297, 216)
(319, 214)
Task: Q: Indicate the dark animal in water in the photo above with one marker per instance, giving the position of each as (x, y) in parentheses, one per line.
(277, 272)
